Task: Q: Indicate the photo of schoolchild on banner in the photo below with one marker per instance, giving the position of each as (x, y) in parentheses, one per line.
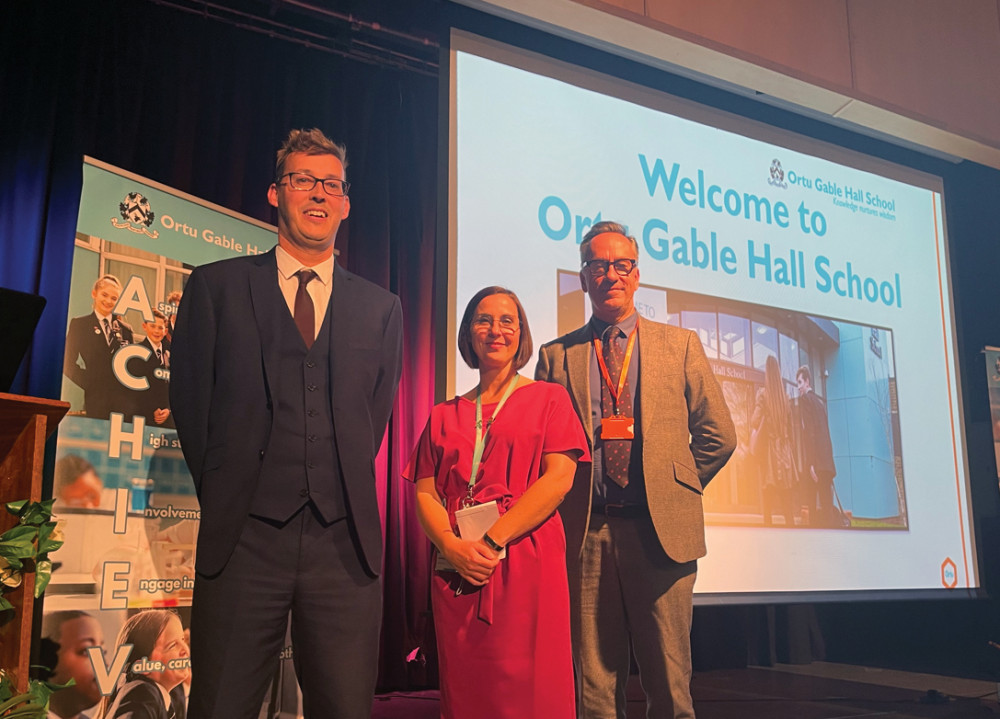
(124, 496)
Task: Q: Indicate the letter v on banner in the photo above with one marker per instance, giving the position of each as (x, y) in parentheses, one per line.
(107, 676)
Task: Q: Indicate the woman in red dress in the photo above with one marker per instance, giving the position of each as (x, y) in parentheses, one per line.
(500, 602)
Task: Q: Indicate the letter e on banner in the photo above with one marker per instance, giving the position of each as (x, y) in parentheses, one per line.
(113, 588)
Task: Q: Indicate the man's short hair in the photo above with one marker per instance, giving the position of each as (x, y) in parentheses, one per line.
(107, 280)
(310, 142)
(524, 347)
(803, 371)
(599, 229)
(174, 297)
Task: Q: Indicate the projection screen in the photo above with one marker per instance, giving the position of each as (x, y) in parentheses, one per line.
(766, 244)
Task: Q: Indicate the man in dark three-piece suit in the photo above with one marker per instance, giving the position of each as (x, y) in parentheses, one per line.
(94, 339)
(283, 374)
(819, 468)
(659, 429)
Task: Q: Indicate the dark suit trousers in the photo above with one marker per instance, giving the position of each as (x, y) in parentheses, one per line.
(624, 588)
(239, 618)
(821, 501)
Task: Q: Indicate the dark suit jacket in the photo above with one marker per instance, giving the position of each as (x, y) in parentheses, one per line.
(102, 392)
(817, 449)
(686, 431)
(224, 373)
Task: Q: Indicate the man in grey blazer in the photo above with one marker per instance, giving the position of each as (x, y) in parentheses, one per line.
(660, 430)
(284, 370)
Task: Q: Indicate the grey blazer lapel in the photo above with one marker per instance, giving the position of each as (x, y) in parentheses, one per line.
(578, 380)
(651, 359)
(268, 304)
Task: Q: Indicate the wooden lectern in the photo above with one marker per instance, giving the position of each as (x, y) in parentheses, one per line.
(25, 424)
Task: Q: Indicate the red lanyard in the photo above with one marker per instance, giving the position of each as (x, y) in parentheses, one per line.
(616, 391)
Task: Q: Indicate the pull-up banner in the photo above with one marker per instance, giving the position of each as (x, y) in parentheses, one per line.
(123, 492)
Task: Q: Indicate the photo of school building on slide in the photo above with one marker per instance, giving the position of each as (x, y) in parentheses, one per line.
(778, 476)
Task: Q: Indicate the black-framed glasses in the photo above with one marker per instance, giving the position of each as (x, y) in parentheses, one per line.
(302, 182)
(599, 268)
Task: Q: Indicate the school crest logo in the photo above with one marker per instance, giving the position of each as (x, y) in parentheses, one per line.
(137, 215)
(777, 175)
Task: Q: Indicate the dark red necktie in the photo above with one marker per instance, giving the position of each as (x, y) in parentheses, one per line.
(305, 313)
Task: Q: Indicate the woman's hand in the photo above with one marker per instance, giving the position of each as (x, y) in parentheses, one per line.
(474, 561)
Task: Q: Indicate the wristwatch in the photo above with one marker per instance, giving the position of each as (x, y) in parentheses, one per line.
(488, 541)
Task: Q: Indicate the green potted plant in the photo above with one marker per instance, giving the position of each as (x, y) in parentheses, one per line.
(25, 548)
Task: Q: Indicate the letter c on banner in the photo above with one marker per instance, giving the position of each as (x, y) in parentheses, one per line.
(120, 366)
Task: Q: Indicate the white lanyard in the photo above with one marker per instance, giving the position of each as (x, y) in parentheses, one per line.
(477, 453)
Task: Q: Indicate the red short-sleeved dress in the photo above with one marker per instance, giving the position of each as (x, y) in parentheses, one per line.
(504, 650)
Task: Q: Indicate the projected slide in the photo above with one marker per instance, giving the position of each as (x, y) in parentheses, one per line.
(775, 249)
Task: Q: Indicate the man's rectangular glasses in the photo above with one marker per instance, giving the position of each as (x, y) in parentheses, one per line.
(304, 183)
(599, 268)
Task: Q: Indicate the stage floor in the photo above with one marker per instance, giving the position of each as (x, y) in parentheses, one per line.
(821, 690)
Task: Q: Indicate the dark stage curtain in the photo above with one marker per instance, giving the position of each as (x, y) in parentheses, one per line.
(202, 106)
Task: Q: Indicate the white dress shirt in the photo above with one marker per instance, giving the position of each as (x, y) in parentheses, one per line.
(319, 289)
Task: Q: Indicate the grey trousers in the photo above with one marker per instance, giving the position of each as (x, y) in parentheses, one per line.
(625, 588)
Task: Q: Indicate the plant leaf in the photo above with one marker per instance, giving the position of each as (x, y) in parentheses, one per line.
(13, 702)
(43, 573)
(41, 690)
(33, 703)
(35, 513)
(46, 542)
(22, 537)
(9, 557)
(29, 711)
